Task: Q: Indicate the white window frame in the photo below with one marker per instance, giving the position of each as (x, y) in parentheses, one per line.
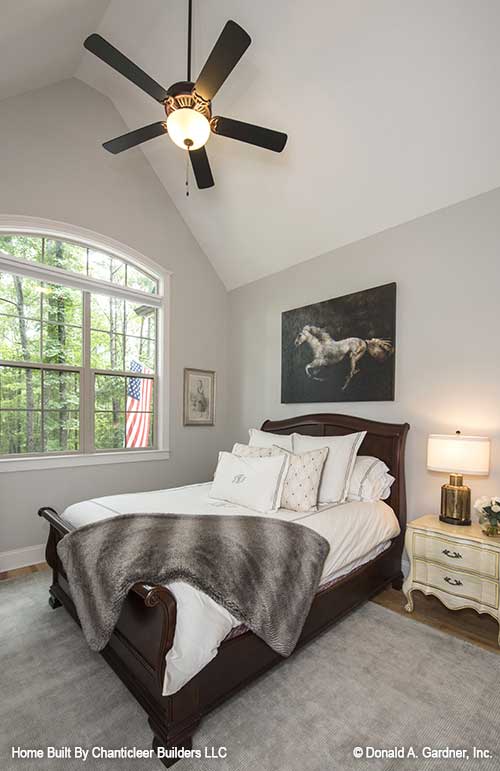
(161, 301)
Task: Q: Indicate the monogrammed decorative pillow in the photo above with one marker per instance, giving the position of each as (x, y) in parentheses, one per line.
(256, 483)
(339, 463)
(300, 492)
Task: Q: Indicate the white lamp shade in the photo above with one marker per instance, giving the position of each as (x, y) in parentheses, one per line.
(458, 454)
(187, 125)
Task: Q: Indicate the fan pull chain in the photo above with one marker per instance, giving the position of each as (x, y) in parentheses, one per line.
(187, 172)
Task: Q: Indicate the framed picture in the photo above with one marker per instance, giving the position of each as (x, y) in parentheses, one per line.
(199, 397)
(340, 350)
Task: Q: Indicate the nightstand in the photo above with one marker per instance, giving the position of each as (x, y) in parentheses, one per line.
(459, 565)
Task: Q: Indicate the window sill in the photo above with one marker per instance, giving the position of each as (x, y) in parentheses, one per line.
(72, 461)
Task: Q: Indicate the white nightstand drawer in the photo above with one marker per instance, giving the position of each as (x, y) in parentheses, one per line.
(456, 554)
(466, 585)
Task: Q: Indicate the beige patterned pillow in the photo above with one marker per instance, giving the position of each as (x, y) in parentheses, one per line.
(246, 451)
(302, 482)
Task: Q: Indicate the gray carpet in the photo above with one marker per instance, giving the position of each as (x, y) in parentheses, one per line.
(375, 679)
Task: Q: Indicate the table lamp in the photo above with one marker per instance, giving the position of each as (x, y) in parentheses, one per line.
(457, 455)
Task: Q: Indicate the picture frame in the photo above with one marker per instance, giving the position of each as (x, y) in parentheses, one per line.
(199, 397)
(340, 350)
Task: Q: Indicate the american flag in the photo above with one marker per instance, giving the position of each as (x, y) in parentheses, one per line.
(139, 392)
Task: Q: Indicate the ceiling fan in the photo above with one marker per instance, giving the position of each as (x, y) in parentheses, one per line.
(188, 105)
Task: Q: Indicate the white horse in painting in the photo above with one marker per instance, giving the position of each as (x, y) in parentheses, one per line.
(328, 351)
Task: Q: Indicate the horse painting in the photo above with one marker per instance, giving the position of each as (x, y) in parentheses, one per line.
(340, 350)
(327, 352)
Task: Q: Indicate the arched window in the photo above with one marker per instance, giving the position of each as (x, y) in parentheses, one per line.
(80, 361)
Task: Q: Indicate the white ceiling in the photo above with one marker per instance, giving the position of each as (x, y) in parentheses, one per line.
(391, 108)
(40, 40)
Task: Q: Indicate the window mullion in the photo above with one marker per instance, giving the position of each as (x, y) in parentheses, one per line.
(86, 384)
(42, 411)
(19, 364)
(155, 412)
(60, 276)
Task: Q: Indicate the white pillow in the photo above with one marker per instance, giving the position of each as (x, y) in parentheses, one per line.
(385, 490)
(256, 483)
(339, 463)
(370, 480)
(300, 491)
(265, 439)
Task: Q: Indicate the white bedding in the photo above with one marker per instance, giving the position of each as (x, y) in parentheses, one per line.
(356, 531)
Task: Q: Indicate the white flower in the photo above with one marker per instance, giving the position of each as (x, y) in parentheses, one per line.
(481, 503)
(495, 507)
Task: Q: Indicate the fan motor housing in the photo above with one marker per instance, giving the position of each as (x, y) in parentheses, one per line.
(182, 95)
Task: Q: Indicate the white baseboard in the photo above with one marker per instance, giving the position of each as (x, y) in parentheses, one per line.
(21, 558)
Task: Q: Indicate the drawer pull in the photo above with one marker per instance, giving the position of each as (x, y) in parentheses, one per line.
(453, 581)
(455, 555)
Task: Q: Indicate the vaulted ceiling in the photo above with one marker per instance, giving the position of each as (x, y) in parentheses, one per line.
(391, 108)
(40, 40)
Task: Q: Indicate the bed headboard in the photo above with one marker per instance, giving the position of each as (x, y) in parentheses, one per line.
(383, 440)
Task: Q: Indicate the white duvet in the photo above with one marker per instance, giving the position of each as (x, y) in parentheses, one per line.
(356, 532)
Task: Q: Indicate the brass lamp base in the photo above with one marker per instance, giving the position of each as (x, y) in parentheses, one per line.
(455, 502)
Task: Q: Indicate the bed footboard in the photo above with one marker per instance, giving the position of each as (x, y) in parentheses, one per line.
(153, 649)
(137, 649)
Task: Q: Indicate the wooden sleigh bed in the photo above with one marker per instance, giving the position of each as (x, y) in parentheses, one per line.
(145, 631)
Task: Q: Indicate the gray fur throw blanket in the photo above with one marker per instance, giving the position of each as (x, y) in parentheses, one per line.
(262, 570)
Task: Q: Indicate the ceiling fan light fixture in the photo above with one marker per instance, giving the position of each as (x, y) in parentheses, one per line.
(188, 128)
(188, 104)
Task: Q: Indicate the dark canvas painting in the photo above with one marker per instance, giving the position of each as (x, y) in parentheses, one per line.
(340, 350)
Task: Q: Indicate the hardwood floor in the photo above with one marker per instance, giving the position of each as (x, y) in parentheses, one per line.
(479, 629)
(466, 624)
(24, 571)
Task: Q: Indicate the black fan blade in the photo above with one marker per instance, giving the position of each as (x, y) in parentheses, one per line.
(119, 62)
(232, 43)
(136, 137)
(201, 168)
(246, 132)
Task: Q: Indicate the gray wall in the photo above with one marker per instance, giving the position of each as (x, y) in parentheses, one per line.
(53, 166)
(447, 267)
